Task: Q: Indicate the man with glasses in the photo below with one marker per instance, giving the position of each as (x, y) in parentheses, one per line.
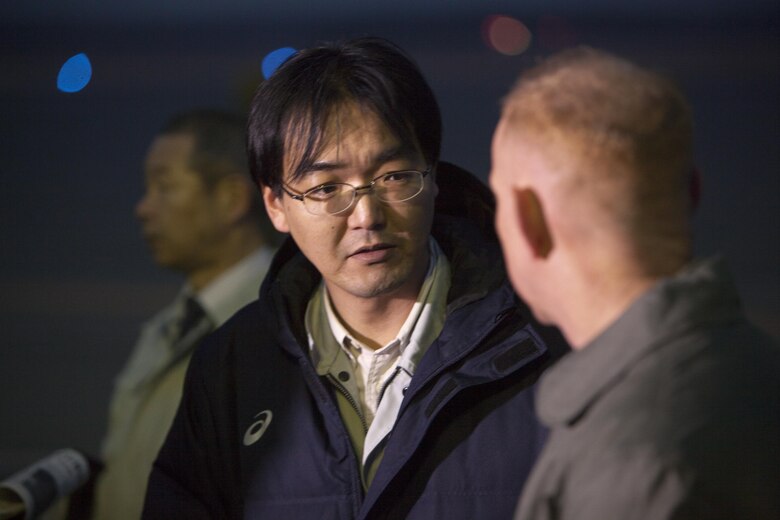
(387, 369)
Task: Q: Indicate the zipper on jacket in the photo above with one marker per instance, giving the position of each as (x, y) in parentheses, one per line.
(350, 400)
(316, 384)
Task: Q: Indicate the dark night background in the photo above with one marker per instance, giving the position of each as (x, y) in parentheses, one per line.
(75, 278)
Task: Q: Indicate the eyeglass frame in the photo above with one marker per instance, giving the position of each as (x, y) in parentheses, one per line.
(355, 189)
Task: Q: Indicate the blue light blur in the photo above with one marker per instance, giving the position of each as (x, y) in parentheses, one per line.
(74, 74)
(275, 58)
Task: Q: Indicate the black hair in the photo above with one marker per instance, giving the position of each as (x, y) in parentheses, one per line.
(290, 111)
(219, 150)
(219, 141)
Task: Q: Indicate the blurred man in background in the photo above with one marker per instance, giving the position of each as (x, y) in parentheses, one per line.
(668, 406)
(202, 217)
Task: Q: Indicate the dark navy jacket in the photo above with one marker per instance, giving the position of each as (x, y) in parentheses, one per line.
(258, 433)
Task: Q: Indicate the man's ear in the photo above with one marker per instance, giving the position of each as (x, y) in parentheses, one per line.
(275, 209)
(694, 188)
(533, 224)
(434, 185)
(234, 194)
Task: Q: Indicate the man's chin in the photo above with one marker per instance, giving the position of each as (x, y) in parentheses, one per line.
(541, 316)
(373, 286)
(166, 261)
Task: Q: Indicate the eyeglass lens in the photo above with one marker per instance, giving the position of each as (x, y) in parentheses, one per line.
(391, 187)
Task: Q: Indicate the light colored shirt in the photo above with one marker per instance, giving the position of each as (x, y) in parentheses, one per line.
(148, 389)
(375, 380)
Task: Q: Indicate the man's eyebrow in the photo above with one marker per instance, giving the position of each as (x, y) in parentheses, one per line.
(322, 166)
(157, 171)
(387, 155)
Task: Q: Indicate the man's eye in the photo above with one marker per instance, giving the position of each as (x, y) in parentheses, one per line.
(324, 192)
(397, 177)
(160, 186)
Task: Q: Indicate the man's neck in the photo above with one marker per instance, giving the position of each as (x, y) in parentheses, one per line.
(599, 306)
(603, 291)
(233, 251)
(374, 321)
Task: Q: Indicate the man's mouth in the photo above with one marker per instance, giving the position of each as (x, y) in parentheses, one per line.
(373, 253)
(150, 238)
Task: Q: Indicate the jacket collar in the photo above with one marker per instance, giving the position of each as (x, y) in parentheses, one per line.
(701, 293)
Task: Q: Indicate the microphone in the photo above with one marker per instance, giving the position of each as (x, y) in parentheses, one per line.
(31, 491)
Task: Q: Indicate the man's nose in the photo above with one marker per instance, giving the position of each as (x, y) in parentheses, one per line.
(367, 212)
(143, 208)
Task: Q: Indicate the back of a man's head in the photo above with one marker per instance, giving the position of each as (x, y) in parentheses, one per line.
(218, 142)
(625, 136)
(219, 151)
(291, 111)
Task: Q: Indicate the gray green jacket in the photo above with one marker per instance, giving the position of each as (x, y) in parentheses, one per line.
(672, 412)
